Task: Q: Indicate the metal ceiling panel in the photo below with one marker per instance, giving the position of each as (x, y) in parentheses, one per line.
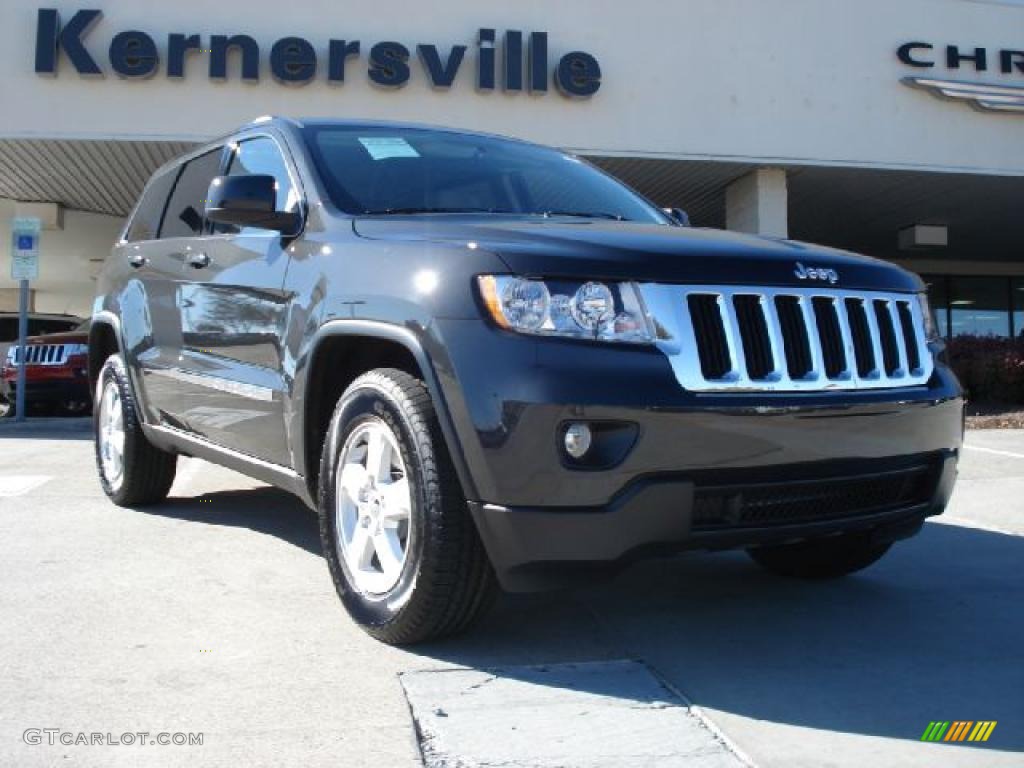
(94, 176)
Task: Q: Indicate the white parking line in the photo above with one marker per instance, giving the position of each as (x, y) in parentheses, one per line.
(963, 522)
(19, 485)
(1011, 454)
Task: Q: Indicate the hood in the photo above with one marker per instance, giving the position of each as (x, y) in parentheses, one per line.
(614, 250)
(68, 337)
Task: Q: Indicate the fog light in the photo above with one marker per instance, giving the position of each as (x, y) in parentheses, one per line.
(577, 440)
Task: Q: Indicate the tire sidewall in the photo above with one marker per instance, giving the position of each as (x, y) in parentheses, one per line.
(361, 404)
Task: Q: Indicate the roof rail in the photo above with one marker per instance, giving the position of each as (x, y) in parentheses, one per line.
(268, 118)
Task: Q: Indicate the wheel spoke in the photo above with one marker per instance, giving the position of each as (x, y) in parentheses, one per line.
(378, 455)
(353, 481)
(117, 446)
(361, 548)
(397, 502)
(108, 407)
(389, 552)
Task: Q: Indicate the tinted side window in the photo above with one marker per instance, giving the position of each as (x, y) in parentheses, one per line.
(262, 156)
(43, 327)
(184, 216)
(146, 223)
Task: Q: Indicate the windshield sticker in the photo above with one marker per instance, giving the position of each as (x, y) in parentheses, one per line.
(384, 147)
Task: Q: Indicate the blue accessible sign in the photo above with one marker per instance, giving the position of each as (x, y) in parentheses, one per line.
(25, 248)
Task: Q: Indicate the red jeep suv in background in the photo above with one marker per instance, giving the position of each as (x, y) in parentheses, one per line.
(56, 373)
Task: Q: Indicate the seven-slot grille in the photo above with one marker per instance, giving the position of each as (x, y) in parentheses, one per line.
(722, 338)
(41, 354)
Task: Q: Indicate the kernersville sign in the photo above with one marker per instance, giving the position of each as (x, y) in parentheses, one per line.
(523, 58)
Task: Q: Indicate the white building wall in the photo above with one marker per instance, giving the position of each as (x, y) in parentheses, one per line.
(774, 81)
(68, 261)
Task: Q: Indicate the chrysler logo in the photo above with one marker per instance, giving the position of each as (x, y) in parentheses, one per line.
(816, 273)
(990, 98)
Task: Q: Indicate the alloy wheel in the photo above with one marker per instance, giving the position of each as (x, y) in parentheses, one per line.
(373, 508)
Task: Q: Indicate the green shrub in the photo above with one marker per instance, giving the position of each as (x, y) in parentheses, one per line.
(991, 369)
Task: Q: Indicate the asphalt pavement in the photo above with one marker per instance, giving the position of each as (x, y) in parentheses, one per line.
(213, 614)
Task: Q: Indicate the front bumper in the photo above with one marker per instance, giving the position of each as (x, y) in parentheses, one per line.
(534, 549)
(539, 517)
(48, 390)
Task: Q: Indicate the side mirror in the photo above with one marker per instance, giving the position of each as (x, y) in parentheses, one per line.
(249, 201)
(679, 216)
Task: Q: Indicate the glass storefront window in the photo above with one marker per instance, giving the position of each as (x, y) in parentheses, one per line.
(979, 306)
(938, 298)
(1018, 305)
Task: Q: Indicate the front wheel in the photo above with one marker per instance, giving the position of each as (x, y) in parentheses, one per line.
(132, 470)
(401, 546)
(821, 558)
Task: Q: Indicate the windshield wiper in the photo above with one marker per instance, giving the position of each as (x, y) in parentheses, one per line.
(425, 209)
(401, 211)
(584, 215)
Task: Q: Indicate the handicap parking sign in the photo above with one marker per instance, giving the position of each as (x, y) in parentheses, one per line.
(25, 248)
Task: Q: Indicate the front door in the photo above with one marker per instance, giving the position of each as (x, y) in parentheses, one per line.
(233, 311)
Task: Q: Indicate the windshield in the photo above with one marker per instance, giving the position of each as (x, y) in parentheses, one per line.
(392, 171)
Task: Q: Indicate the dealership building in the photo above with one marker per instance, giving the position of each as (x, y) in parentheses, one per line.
(894, 129)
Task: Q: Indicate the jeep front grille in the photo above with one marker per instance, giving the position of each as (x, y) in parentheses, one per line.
(41, 354)
(729, 338)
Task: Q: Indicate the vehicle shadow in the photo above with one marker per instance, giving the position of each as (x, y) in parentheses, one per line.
(935, 631)
(264, 510)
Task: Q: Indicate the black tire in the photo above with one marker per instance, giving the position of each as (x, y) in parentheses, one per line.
(148, 472)
(821, 558)
(446, 581)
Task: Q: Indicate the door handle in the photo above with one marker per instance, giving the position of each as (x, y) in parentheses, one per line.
(137, 260)
(198, 260)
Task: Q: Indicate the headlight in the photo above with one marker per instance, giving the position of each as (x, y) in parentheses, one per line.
(78, 349)
(574, 309)
(931, 330)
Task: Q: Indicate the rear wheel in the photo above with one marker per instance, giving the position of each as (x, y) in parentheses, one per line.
(821, 558)
(132, 470)
(397, 534)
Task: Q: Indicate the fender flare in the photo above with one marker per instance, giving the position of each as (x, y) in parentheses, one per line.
(407, 339)
(108, 318)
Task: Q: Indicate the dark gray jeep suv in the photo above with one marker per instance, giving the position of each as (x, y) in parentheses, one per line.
(486, 362)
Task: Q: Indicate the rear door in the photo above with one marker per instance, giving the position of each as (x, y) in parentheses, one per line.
(147, 278)
(162, 276)
(233, 310)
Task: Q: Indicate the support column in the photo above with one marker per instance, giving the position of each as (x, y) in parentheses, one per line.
(758, 203)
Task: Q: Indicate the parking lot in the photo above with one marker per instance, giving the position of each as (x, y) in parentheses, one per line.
(215, 614)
